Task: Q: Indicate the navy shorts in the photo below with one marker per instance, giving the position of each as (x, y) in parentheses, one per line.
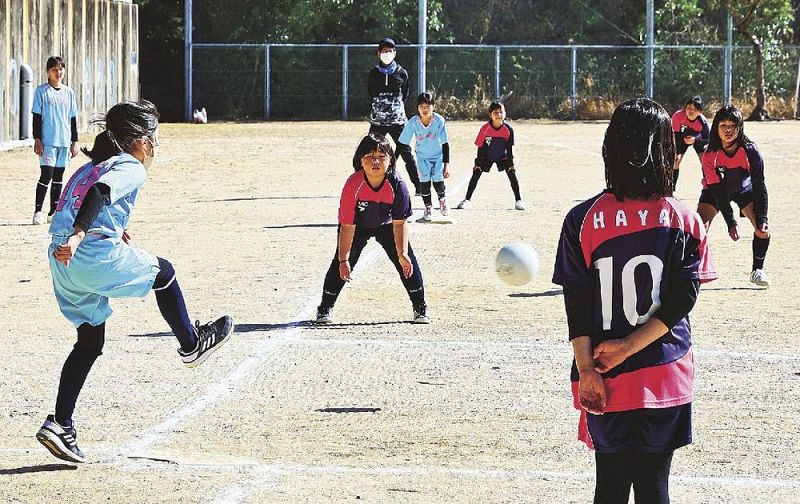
(502, 164)
(650, 430)
(741, 199)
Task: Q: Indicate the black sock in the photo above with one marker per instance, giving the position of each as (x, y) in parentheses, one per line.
(760, 246)
(440, 189)
(76, 368)
(45, 177)
(172, 306)
(473, 183)
(675, 174)
(512, 177)
(55, 189)
(425, 189)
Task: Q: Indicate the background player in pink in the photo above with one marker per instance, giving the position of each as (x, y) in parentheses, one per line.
(495, 142)
(374, 203)
(691, 129)
(733, 170)
(631, 260)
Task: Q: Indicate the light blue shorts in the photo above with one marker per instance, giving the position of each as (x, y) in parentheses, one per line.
(430, 169)
(101, 268)
(55, 156)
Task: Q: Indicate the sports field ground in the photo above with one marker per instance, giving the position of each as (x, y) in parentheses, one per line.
(472, 408)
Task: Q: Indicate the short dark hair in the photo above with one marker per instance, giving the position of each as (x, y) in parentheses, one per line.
(371, 143)
(697, 101)
(426, 97)
(727, 113)
(129, 121)
(639, 150)
(55, 61)
(495, 105)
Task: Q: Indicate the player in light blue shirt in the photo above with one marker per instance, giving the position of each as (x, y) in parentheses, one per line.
(55, 133)
(429, 131)
(91, 260)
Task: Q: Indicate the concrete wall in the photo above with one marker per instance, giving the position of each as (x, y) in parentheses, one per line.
(98, 39)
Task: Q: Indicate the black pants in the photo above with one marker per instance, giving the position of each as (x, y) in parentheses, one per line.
(385, 236)
(647, 472)
(403, 150)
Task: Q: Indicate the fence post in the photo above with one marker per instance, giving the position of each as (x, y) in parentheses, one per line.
(727, 82)
(187, 60)
(344, 82)
(497, 72)
(649, 58)
(574, 81)
(267, 87)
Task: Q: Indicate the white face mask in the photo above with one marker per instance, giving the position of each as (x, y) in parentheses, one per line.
(387, 57)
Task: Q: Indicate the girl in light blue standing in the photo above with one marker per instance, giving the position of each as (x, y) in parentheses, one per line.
(55, 134)
(432, 149)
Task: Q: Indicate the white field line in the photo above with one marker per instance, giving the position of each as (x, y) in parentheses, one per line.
(258, 470)
(489, 343)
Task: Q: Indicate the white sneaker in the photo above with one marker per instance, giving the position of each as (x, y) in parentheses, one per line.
(760, 278)
(421, 315)
(519, 205)
(428, 215)
(39, 218)
(464, 205)
(443, 207)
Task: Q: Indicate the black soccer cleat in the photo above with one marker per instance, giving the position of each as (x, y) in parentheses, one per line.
(210, 336)
(324, 315)
(61, 441)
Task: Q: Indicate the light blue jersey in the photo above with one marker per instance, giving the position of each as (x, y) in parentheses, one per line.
(429, 139)
(103, 265)
(123, 174)
(57, 108)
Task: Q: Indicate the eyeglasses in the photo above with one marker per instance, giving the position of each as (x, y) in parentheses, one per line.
(374, 159)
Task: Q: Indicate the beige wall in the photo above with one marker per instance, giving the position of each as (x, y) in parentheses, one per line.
(98, 39)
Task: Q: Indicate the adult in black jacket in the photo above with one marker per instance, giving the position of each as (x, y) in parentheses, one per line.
(388, 87)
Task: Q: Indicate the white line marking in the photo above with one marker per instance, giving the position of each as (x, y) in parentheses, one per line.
(422, 471)
(489, 342)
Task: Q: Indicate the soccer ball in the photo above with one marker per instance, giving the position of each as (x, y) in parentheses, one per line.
(517, 264)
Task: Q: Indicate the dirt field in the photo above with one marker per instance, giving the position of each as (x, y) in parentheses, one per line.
(473, 408)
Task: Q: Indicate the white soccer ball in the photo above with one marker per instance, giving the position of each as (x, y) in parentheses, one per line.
(517, 264)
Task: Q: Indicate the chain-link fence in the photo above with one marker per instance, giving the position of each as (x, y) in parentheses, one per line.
(315, 81)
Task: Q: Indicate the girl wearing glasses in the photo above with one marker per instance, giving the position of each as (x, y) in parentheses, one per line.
(733, 170)
(375, 204)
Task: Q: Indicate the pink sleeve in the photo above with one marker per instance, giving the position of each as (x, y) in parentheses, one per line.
(676, 122)
(710, 175)
(347, 203)
(481, 136)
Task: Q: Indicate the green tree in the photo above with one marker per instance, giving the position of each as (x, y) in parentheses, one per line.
(763, 23)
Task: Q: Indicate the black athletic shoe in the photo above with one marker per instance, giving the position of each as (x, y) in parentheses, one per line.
(61, 441)
(324, 315)
(209, 337)
(421, 315)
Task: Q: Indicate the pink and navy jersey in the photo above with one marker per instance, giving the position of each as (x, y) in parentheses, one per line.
(682, 126)
(628, 253)
(493, 143)
(371, 208)
(736, 172)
